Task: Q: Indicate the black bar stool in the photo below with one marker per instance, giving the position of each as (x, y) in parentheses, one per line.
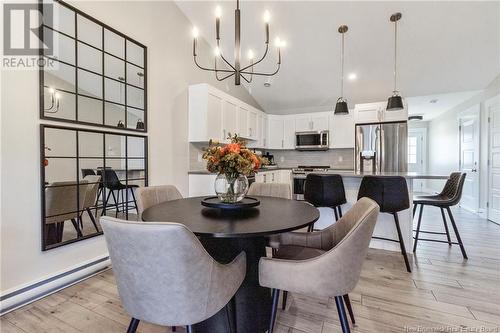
(449, 196)
(391, 194)
(322, 190)
(113, 183)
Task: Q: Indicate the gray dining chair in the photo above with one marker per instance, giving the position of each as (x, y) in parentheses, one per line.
(153, 195)
(92, 187)
(323, 263)
(277, 190)
(165, 276)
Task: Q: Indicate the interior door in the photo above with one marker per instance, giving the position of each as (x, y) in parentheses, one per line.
(493, 109)
(469, 159)
(416, 156)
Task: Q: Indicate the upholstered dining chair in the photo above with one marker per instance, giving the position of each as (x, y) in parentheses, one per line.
(153, 195)
(90, 198)
(165, 276)
(323, 263)
(277, 190)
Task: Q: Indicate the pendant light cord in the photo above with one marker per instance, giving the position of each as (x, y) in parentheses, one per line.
(342, 68)
(395, 55)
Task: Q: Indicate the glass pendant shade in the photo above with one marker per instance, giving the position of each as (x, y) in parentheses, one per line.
(395, 103)
(341, 107)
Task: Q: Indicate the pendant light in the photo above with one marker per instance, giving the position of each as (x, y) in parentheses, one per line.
(395, 102)
(341, 106)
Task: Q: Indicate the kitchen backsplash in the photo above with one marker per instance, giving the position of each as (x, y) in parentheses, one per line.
(335, 158)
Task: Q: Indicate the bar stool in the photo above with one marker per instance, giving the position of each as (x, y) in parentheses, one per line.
(391, 193)
(449, 196)
(323, 190)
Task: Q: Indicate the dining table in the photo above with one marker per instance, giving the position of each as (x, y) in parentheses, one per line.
(226, 233)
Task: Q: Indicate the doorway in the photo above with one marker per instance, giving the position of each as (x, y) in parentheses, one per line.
(493, 110)
(417, 156)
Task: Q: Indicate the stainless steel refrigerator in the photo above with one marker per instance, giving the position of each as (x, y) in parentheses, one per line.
(381, 147)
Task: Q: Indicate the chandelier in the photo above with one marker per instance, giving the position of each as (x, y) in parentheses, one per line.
(246, 72)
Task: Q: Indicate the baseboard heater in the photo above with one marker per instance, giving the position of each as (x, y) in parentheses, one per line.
(14, 299)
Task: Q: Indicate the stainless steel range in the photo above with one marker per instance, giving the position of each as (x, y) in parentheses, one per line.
(299, 175)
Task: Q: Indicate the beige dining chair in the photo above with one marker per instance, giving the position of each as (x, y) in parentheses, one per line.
(165, 276)
(90, 199)
(323, 263)
(277, 190)
(153, 195)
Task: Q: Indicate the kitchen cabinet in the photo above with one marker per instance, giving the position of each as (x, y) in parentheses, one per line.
(376, 112)
(243, 122)
(342, 130)
(288, 132)
(312, 122)
(274, 176)
(262, 130)
(275, 132)
(229, 118)
(303, 123)
(252, 124)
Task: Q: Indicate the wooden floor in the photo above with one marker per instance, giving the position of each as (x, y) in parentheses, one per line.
(443, 294)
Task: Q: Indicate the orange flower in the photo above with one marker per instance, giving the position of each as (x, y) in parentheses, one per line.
(233, 148)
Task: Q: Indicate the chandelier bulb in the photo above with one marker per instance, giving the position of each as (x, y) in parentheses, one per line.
(218, 12)
(267, 16)
(250, 55)
(195, 32)
(217, 51)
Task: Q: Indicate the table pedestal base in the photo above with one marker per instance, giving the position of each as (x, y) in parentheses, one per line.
(253, 302)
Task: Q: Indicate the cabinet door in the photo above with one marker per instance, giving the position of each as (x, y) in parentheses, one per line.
(368, 113)
(303, 123)
(264, 125)
(229, 118)
(342, 131)
(289, 132)
(243, 122)
(399, 115)
(252, 124)
(319, 122)
(214, 118)
(275, 133)
(285, 176)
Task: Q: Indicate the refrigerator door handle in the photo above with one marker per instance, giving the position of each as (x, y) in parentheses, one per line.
(381, 158)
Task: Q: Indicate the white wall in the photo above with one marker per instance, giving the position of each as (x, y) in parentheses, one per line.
(166, 32)
(443, 141)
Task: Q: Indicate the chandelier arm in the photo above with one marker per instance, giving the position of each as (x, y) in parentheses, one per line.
(225, 77)
(222, 57)
(255, 63)
(264, 74)
(244, 78)
(211, 69)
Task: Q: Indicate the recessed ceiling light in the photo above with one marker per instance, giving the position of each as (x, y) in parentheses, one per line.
(352, 76)
(433, 101)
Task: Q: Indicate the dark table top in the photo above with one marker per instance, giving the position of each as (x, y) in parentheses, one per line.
(272, 216)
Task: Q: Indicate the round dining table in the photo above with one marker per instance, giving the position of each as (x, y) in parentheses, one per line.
(226, 233)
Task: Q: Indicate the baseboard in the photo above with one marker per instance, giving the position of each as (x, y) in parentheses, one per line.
(17, 297)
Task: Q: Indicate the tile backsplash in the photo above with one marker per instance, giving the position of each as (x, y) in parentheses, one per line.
(335, 158)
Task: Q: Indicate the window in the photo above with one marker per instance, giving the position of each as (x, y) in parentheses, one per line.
(412, 150)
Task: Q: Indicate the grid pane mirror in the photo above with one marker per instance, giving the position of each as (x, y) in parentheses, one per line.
(86, 174)
(94, 75)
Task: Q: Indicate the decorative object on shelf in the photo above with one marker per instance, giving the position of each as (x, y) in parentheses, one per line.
(237, 69)
(233, 162)
(341, 106)
(120, 124)
(140, 124)
(54, 101)
(395, 102)
(246, 202)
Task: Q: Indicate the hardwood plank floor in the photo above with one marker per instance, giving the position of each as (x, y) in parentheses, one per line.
(444, 292)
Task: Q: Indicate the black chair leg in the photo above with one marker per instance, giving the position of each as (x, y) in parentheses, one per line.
(347, 302)
(340, 211)
(231, 315)
(77, 228)
(446, 227)
(344, 323)
(105, 205)
(402, 243)
(92, 218)
(414, 209)
(189, 329)
(285, 297)
(116, 201)
(418, 228)
(274, 309)
(133, 325)
(335, 212)
(174, 329)
(457, 234)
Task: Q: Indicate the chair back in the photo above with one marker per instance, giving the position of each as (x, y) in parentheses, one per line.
(453, 188)
(163, 273)
(153, 195)
(324, 190)
(63, 200)
(88, 172)
(389, 192)
(110, 178)
(277, 190)
(91, 191)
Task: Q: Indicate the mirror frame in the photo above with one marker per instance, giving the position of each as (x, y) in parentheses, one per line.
(103, 26)
(77, 157)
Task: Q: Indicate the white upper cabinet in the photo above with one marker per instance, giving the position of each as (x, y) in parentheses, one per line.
(243, 122)
(252, 124)
(342, 130)
(303, 123)
(229, 118)
(311, 122)
(275, 132)
(263, 122)
(289, 132)
(376, 112)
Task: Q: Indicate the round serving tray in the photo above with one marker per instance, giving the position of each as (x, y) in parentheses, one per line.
(214, 202)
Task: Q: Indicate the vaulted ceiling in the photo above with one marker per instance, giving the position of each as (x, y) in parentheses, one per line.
(444, 47)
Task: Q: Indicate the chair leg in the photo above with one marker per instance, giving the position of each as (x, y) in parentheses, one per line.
(274, 309)
(116, 201)
(77, 228)
(418, 227)
(99, 193)
(174, 329)
(105, 205)
(285, 297)
(340, 211)
(402, 243)
(414, 209)
(135, 201)
(457, 234)
(344, 323)
(347, 302)
(92, 218)
(446, 227)
(133, 325)
(231, 315)
(336, 215)
(189, 329)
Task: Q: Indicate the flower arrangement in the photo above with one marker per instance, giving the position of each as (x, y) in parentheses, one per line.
(233, 162)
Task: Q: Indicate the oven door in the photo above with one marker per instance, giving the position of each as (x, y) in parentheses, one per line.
(298, 187)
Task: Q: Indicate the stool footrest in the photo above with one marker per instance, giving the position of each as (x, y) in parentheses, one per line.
(386, 239)
(432, 232)
(436, 240)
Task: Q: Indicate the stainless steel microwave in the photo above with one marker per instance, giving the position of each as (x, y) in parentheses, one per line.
(312, 140)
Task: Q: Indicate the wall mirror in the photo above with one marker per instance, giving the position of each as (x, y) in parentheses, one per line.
(87, 174)
(98, 75)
